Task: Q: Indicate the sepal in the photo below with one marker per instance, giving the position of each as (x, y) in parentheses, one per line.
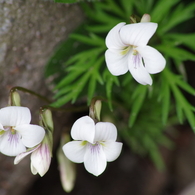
(14, 98)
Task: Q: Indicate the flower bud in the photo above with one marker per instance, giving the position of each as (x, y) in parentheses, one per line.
(46, 119)
(97, 109)
(14, 98)
(145, 18)
(46, 122)
(41, 158)
(67, 168)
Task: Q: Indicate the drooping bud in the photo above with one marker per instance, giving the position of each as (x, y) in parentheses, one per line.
(145, 18)
(66, 167)
(46, 119)
(41, 158)
(46, 122)
(14, 98)
(97, 109)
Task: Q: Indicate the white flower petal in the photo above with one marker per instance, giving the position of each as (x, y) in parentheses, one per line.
(113, 39)
(75, 150)
(137, 34)
(95, 159)
(105, 131)
(33, 170)
(153, 59)
(116, 62)
(83, 129)
(1, 127)
(11, 144)
(138, 71)
(40, 160)
(31, 134)
(14, 115)
(112, 150)
(22, 155)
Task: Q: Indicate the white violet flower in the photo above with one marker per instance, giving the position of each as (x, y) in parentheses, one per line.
(16, 132)
(40, 159)
(128, 51)
(95, 144)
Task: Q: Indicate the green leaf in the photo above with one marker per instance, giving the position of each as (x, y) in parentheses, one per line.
(165, 101)
(100, 16)
(62, 101)
(95, 76)
(185, 39)
(63, 91)
(92, 39)
(182, 105)
(127, 9)
(175, 52)
(143, 6)
(68, 79)
(100, 28)
(160, 11)
(185, 106)
(113, 7)
(176, 17)
(110, 81)
(83, 56)
(91, 89)
(185, 86)
(138, 100)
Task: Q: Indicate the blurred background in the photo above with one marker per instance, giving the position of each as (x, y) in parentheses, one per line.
(30, 32)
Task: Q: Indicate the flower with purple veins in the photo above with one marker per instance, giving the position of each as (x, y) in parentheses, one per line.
(128, 51)
(93, 144)
(16, 132)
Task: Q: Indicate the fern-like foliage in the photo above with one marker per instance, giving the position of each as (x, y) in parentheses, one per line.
(79, 69)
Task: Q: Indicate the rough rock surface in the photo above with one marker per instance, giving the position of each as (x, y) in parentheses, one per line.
(30, 30)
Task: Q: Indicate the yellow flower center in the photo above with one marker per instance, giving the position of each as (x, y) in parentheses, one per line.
(83, 143)
(126, 50)
(13, 131)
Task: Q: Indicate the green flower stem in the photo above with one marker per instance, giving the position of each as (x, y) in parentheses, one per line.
(68, 109)
(65, 109)
(30, 92)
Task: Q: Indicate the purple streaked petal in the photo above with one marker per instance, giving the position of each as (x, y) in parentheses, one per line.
(105, 131)
(11, 144)
(14, 115)
(40, 160)
(75, 150)
(95, 159)
(113, 40)
(137, 34)
(83, 129)
(138, 71)
(22, 155)
(153, 59)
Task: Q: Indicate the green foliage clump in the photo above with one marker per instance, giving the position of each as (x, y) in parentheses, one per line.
(140, 112)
